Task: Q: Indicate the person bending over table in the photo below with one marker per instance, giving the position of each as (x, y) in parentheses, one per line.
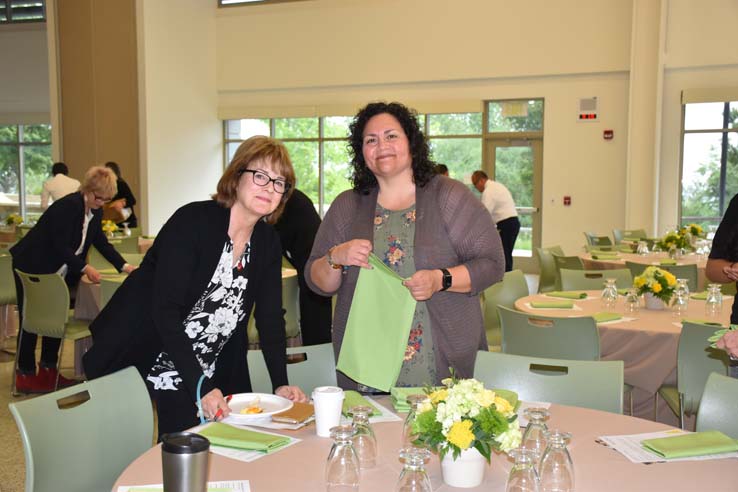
(428, 228)
(59, 243)
(722, 264)
(181, 318)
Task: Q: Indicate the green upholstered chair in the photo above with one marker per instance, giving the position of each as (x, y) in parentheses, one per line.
(635, 268)
(512, 287)
(594, 239)
(7, 297)
(589, 384)
(718, 404)
(547, 267)
(568, 262)
(620, 234)
(82, 438)
(46, 311)
(258, 373)
(594, 279)
(317, 368)
(695, 361)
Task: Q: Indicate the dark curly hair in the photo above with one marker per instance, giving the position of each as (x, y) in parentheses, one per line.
(423, 168)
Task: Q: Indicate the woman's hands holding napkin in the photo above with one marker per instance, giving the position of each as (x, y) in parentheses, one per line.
(729, 343)
(292, 393)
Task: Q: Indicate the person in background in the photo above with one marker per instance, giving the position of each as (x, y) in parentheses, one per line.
(58, 243)
(442, 169)
(722, 263)
(429, 229)
(124, 199)
(182, 317)
(297, 228)
(498, 200)
(59, 185)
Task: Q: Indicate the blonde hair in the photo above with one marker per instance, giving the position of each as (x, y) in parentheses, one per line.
(100, 181)
(254, 149)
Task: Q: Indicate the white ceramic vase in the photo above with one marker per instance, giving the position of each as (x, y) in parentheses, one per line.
(653, 302)
(466, 471)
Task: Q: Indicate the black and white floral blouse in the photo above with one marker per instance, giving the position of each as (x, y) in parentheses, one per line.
(211, 321)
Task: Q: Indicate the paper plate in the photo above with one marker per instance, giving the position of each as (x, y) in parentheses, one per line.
(271, 404)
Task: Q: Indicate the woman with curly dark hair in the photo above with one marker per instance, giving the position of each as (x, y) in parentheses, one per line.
(429, 229)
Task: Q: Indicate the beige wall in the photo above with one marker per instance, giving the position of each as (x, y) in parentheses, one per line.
(181, 136)
(24, 75)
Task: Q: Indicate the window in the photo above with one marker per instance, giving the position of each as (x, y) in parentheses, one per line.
(709, 161)
(25, 163)
(456, 140)
(22, 11)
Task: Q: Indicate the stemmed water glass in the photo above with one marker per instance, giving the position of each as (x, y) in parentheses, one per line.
(681, 297)
(632, 300)
(365, 443)
(407, 429)
(523, 476)
(610, 294)
(556, 470)
(342, 469)
(714, 301)
(413, 477)
(534, 437)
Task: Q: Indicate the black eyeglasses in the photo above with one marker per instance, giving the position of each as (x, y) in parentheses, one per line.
(101, 198)
(262, 179)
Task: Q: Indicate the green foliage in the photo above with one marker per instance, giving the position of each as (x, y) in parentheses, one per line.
(36, 154)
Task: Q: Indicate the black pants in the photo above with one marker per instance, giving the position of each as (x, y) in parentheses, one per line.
(175, 411)
(27, 341)
(508, 229)
(315, 315)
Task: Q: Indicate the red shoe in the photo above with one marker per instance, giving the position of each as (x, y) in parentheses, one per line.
(29, 383)
(47, 375)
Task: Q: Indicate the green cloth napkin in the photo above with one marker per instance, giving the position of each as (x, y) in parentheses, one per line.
(605, 256)
(703, 321)
(625, 249)
(701, 296)
(668, 262)
(604, 317)
(108, 271)
(399, 395)
(378, 327)
(229, 436)
(573, 294)
(552, 304)
(354, 399)
(634, 239)
(693, 444)
(622, 292)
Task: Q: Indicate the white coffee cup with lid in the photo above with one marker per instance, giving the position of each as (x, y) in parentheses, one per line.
(328, 402)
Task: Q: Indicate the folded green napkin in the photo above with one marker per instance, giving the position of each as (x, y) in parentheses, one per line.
(668, 262)
(625, 249)
(703, 321)
(354, 399)
(692, 444)
(605, 256)
(234, 437)
(604, 317)
(399, 395)
(114, 277)
(633, 239)
(701, 296)
(573, 294)
(108, 271)
(622, 292)
(552, 304)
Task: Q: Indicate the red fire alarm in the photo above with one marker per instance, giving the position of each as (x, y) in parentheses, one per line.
(567, 200)
(608, 134)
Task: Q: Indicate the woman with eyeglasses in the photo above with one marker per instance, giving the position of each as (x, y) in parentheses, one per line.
(59, 243)
(181, 318)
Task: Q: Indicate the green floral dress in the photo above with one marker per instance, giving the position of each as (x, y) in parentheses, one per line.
(394, 237)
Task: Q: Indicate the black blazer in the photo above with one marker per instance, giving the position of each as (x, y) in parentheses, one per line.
(297, 227)
(146, 314)
(124, 191)
(52, 242)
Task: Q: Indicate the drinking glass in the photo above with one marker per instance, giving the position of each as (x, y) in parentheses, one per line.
(556, 470)
(642, 248)
(342, 469)
(714, 301)
(681, 297)
(413, 477)
(609, 294)
(407, 429)
(365, 443)
(523, 476)
(534, 437)
(632, 300)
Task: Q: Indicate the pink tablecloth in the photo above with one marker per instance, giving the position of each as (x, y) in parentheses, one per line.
(597, 469)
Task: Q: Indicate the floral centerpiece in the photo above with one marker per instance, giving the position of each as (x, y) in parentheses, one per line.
(656, 282)
(109, 227)
(462, 417)
(13, 220)
(673, 239)
(695, 230)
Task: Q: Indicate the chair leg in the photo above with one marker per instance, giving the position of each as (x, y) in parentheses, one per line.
(6, 333)
(655, 406)
(13, 389)
(681, 411)
(630, 402)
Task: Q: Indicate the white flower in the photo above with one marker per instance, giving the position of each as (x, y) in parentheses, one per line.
(193, 329)
(219, 293)
(240, 283)
(510, 439)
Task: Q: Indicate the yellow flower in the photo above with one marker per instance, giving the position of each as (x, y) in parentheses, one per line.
(438, 395)
(504, 407)
(460, 434)
(656, 288)
(640, 282)
(670, 279)
(486, 398)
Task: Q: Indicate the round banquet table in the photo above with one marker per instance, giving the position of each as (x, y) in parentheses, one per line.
(648, 260)
(301, 467)
(647, 342)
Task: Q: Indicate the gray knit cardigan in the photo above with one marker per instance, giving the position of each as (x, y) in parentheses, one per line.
(452, 228)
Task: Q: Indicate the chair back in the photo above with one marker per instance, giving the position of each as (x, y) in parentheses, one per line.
(45, 304)
(128, 244)
(594, 279)
(635, 268)
(108, 286)
(547, 267)
(684, 271)
(589, 384)
(695, 361)
(317, 369)
(729, 289)
(620, 234)
(134, 259)
(545, 336)
(291, 307)
(85, 436)
(718, 404)
(505, 293)
(7, 282)
(97, 260)
(569, 262)
(595, 240)
(261, 382)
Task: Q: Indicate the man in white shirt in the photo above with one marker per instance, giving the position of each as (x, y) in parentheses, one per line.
(498, 200)
(58, 186)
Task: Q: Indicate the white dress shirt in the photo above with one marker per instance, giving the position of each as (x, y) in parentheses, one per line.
(499, 201)
(57, 187)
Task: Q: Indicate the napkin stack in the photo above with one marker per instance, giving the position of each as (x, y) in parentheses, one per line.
(354, 399)
(552, 304)
(399, 397)
(606, 256)
(604, 317)
(667, 262)
(567, 294)
(233, 437)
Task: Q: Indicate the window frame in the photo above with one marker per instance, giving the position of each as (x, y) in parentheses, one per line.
(19, 144)
(8, 8)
